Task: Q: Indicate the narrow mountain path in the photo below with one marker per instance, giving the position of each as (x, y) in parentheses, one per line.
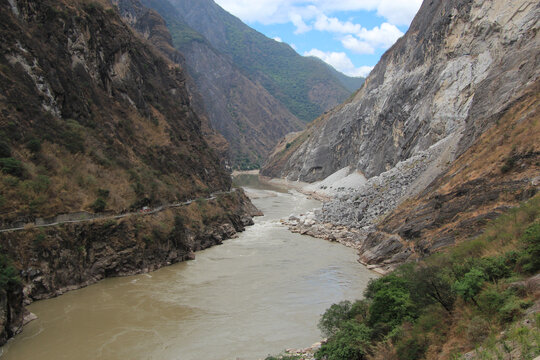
(30, 225)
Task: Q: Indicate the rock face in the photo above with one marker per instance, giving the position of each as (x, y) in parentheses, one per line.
(445, 130)
(243, 103)
(149, 24)
(103, 109)
(11, 312)
(460, 64)
(54, 260)
(95, 119)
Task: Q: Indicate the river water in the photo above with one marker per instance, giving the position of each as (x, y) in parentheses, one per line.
(252, 296)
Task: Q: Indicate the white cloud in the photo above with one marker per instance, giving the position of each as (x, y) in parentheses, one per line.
(277, 11)
(278, 39)
(324, 23)
(366, 41)
(357, 46)
(398, 12)
(383, 36)
(340, 61)
(301, 26)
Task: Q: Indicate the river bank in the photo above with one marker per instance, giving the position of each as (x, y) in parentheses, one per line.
(266, 283)
(58, 259)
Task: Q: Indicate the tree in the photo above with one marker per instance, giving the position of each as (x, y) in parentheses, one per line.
(470, 285)
(351, 342)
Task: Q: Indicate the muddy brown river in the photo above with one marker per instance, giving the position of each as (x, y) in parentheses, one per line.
(252, 296)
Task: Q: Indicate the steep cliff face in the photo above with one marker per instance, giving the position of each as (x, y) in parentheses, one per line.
(242, 111)
(149, 24)
(459, 65)
(87, 105)
(94, 118)
(445, 129)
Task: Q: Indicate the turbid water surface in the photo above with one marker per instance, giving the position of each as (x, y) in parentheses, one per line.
(252, 296)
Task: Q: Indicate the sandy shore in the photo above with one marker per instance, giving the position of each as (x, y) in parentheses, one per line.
(245, 172)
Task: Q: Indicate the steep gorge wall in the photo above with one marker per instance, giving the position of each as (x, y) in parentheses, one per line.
(58, 259)
(445, 131)
(461, 63)
(243, 111)
(95, 119)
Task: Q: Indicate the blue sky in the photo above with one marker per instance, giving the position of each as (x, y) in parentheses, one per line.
(350, 35)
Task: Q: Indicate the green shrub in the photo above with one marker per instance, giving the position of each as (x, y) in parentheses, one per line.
(73, 141)
(99, 205)
(103, 193)
(411, 348)
(8, 274)
(495, 268)
(509, 164)
(5, 150)
(492, 299)
(334, 317)
(283, 357)
(531, 241)
(478, 330)
(511, 310)
(34, 145)
(470, 285)
(391, 303)
(39, 240)
(350, 343)
(12, 166)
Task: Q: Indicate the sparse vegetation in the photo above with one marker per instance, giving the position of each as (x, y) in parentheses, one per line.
(34, 145)
(8, 274)
(99, 205)
(12, 166)
(471, 289)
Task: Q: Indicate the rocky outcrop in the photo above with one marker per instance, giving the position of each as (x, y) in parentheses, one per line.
(150, 25)
(12, 312)
(58, 259)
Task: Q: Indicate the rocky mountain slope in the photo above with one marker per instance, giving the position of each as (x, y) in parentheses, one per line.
(244, 100)
(96, 119)
(151, 26)
(459, 64)
(307, 86)
(236, 107)
(461, 81)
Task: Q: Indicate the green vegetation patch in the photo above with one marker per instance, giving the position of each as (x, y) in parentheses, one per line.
(473, 288)
(8, 274)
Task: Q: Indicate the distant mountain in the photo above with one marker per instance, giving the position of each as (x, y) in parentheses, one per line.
(243, 111)
(306, 85)
(254, 95)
